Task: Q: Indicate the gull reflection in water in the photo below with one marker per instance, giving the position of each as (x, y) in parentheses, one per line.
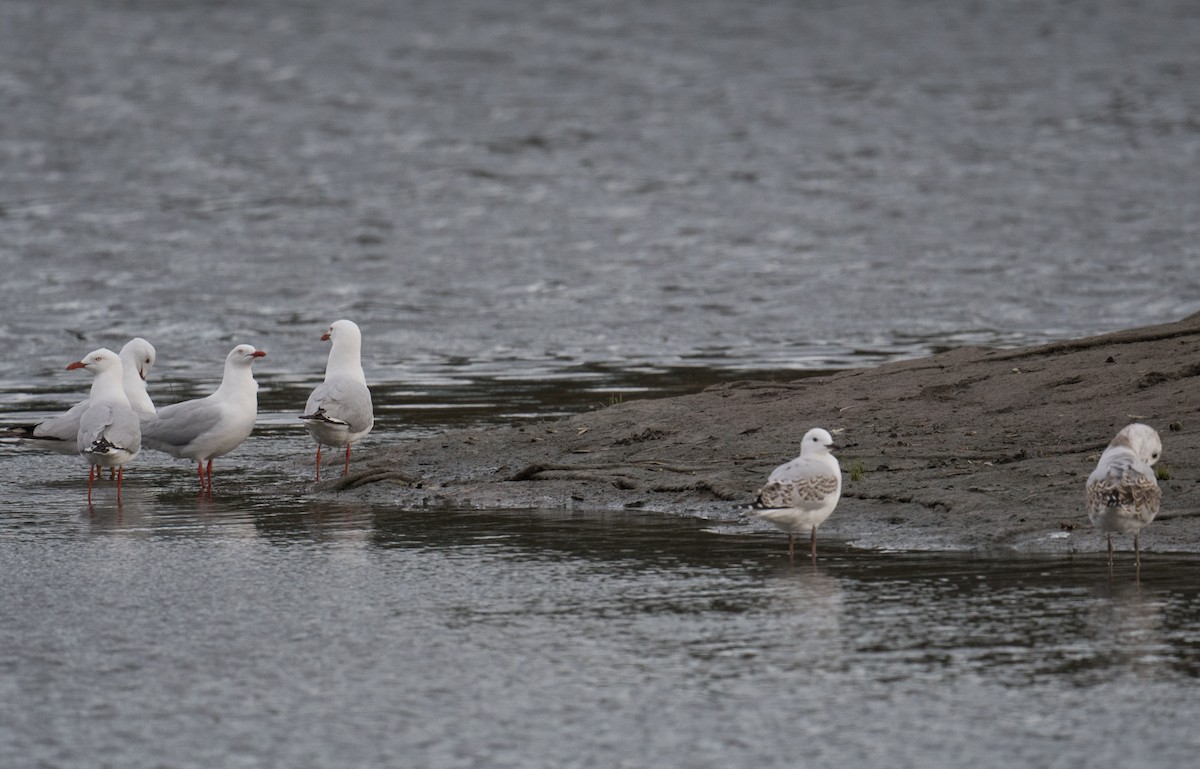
(1126, 623)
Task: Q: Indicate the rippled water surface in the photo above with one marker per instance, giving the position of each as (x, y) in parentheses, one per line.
(274, 630)
(524, 189)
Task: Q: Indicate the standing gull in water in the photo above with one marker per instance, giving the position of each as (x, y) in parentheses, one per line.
(801, 494)
(1122, 492)
(108, 434)
(137, 358)
(61, 433)
(206, 428)
(338, 412)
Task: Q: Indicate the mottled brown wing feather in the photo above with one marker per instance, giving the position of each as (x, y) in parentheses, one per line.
(1137, 494)
(795, 493)
(1140, 493)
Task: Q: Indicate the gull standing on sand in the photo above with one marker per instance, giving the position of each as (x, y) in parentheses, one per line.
(206, 428)
(1122, 492)
(339, 412)
(801, 494)
(60, 433)
(109, 435)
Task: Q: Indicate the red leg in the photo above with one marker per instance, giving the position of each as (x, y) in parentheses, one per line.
(208, 473)
(93, 471)
(120, 475)
(346, 467)
(318, 461)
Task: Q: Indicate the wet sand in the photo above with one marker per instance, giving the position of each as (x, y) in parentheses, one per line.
(968, 449)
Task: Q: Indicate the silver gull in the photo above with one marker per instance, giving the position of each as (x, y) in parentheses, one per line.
(60, 433)
(209, 427)
(109, 434)
(339, 412)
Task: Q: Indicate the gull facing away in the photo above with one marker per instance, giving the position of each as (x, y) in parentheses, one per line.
(801, 494)
(1122, 492)
(108, 434)
(60, 433)
(339, 412)
(206, 428)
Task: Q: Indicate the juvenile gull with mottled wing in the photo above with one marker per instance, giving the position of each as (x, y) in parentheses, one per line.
(1122, 492)
(801, 494)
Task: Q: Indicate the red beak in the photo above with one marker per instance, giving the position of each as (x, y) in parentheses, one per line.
(258, 354)
(325, 337)
(76, 364)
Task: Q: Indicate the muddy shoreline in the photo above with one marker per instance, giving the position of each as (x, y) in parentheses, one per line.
(969, 449)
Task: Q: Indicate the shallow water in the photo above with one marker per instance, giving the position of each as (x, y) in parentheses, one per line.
(322, 633)
(270, 626)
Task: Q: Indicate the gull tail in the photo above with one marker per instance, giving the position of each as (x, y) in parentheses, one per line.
(320, 416)
(103, 447)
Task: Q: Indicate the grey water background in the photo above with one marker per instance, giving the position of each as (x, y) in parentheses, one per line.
(534, 209)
